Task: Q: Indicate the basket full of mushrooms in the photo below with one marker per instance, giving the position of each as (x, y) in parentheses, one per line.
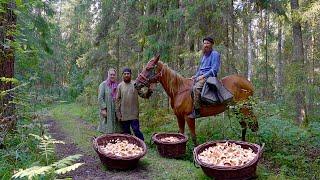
(119, 151)
(228, 159)
(170, 145)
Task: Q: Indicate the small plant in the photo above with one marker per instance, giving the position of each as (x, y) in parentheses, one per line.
(46, 145)
(49, 170)
(60, 167)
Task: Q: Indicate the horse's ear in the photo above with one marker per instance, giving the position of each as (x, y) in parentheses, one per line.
(156, 59)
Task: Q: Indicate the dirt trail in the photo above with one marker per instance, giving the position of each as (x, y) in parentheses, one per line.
(92, 169)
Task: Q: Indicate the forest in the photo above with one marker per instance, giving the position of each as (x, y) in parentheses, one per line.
(55, 53)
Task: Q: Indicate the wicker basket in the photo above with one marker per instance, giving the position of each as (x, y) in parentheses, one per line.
(246, 171)
(115, 162)
(170, 149)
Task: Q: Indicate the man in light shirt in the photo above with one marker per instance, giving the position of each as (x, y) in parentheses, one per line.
(127, 104)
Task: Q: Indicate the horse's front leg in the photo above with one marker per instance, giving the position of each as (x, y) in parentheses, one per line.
(243, 124)
(181, 124)
(192, 128)
(244, 131)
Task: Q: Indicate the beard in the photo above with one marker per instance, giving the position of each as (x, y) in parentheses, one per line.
(127, 80)
(206, 50)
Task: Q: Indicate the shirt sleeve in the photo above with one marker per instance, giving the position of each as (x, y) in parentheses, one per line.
(118, 102)
(146, 94)
(215, 66)
(101, 96)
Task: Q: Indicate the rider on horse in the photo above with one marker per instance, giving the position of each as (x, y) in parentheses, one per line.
(209, 67)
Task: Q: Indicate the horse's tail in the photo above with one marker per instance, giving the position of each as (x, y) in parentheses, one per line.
(239, 86)
(245, 85)
(246, 90)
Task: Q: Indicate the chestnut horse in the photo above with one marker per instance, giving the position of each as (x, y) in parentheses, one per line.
(179, 89)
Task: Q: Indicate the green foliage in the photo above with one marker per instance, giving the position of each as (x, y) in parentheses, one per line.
(290, 151)
(62, 50)
(61, 167)
(32, 172)
(20, 150)
(9, 80)
(45, 145)
(154, 118)
(49, 170)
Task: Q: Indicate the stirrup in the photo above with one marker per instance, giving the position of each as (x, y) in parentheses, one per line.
(194, 114)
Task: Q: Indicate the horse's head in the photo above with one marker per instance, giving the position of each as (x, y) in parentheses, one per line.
(148, 74)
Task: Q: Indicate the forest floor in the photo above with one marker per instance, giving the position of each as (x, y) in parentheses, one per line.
(290, 152)
(66, 123)
(92, 168)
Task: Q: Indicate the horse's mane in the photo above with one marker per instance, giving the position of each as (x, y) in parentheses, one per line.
(172, 81)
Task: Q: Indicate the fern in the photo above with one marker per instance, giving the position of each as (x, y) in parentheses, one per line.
(61, 167)
(66, 161)
(32, 172)
(68, 168)
(46, 145)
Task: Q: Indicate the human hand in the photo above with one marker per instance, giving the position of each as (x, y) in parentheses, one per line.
(202, 77)
(152, 86)
(103, 112)
(192, 77)
(119, 116)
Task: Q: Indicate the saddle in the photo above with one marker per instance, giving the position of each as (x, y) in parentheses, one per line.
(213, 92)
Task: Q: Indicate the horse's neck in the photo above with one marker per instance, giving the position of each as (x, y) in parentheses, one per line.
(170, 80)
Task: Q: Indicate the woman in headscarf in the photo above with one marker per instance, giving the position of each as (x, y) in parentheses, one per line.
(107, 94)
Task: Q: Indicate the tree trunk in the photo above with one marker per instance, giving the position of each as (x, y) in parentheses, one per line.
(250, 59)
(7, 27)
(247, 26)
(310, 56)
(245, 40)
(314, 51)
(298, 60)
(279, 65)
(266, 83)
(232, 64)
(226, 43)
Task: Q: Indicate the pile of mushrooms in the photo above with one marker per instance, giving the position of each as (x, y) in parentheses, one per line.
(227, 154)
(121, 148)
(170, 139)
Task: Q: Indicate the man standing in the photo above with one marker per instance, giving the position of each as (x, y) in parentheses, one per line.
(127, 104)
(209, 67)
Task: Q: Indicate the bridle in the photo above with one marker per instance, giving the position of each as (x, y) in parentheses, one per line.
(155, 77)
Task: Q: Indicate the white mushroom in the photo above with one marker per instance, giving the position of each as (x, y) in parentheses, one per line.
(227, 154)
(170, 139)
(121, 148)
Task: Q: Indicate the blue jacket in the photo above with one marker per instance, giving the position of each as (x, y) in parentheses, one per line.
(210, 65)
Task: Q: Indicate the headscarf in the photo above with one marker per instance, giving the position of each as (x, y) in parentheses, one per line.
(112, 84)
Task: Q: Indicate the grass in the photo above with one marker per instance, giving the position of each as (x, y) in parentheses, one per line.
(157, 167)
(68, 115)
(20, 148)
(290, 152)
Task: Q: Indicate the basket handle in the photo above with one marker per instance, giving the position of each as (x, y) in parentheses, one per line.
(151, 141)
(196, 164)
(194, 159)
(94, 143)
(261, 150)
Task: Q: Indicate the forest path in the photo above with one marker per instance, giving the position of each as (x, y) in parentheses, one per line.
(92, 168)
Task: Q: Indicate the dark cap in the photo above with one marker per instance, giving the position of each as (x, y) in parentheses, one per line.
(208, 39)
(126, 69)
